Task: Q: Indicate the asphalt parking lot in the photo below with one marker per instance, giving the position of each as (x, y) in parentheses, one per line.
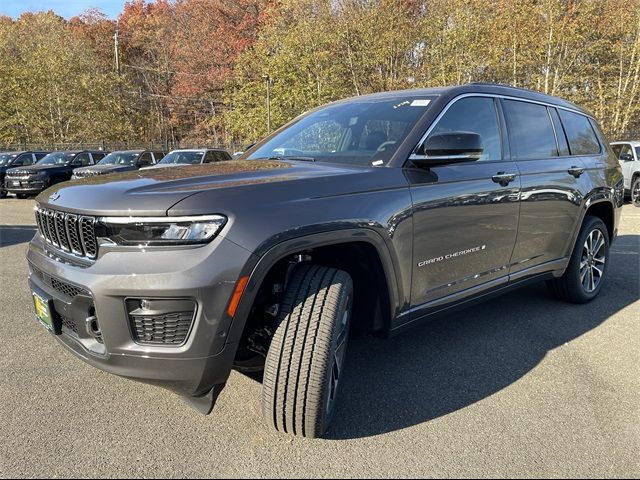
(520, 386)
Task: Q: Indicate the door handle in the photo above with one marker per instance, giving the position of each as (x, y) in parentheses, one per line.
(503, 178)
(576, 171)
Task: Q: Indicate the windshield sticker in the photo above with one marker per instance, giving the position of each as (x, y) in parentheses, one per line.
(377, 163)
(421, 102)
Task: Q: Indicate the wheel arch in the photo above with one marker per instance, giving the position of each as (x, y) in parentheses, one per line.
(344, 238)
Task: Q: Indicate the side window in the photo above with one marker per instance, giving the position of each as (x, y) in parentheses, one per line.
(23, 160)
(626, 153)
(563, 146)
(145, 159)
(40, 156)
(97, 157)
(210, 157)
(531, 134)
(82, 159)
(158, 156)
(617, 149)
(476, 115)
(582, 138)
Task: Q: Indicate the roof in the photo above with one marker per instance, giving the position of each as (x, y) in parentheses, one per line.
(633, 143)
(488, 88)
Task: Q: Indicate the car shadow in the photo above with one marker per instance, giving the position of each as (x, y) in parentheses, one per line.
(15, 234)
(457, 360)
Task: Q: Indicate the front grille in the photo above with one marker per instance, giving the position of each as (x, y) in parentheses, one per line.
(58, 285)
(168, 329)
(70, 233)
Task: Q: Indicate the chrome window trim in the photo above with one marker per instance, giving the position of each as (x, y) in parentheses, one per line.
(435, 122)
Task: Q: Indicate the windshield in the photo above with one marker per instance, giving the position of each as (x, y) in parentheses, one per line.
(120, 158)
(57, 158)
(5, 158)
(182, 158)
(362, 132)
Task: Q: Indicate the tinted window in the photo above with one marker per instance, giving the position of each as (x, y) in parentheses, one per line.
(210, 157)
(625, 152)
(98, 156)
(182, 157)
(616, 149)
(82, 159)
(145, 159)
(40, 155)
(563, 146)
(477, 115)
(530, 131)
(158, 156)
(582, 138)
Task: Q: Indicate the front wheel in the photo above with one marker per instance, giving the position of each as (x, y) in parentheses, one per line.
(584, 276)
(306, 358)
(635, 192)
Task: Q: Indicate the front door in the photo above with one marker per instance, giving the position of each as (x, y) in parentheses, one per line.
(465, 215)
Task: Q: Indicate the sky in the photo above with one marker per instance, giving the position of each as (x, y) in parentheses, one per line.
(64, 8)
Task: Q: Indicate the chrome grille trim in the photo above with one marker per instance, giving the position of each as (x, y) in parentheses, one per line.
(86, 225)
(68, 232)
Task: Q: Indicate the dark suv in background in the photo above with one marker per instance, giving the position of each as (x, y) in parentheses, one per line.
(122, 161)
(16, 159)
(54, 168)
(373, 213)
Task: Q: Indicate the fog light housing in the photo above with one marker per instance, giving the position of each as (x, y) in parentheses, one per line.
(165, 322)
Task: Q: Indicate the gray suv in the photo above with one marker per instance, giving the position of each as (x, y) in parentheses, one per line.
(370, 214)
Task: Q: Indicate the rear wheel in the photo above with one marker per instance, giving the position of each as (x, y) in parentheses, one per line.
(306, 358)
(3, 193)
(21, 195)
(584, 276)
(635, 192)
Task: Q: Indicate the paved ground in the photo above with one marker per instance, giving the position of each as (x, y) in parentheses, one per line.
(520, 386)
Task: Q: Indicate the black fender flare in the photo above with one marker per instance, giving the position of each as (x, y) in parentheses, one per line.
(258, 271)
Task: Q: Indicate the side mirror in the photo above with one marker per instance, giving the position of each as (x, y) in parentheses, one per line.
(448, 147)
(627, 157)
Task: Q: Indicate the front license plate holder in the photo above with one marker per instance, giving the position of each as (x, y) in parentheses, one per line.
(46, 313)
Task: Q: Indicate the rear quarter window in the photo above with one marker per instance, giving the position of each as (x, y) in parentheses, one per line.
(531, 134)
(582, 139)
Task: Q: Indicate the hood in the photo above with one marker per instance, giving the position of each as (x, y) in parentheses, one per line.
(100, 169)
(156, 191)
(33, 169)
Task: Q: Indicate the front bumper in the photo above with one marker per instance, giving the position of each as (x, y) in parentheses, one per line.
(206, 275)
(25, 186)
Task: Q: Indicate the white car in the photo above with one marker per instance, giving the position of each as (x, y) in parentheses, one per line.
(628, 154)
(191, 157)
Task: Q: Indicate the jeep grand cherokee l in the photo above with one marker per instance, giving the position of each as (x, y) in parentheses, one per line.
(16, 159)
(54, 168)
(177, 158)
(122, 161)
(373, 213)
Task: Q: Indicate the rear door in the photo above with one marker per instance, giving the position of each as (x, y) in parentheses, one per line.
(465, 220)
(554, 183)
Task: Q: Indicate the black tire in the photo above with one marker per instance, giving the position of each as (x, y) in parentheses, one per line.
(574, 286)
(635, 191)
(3, 193)
(306, 356)
(21, 196)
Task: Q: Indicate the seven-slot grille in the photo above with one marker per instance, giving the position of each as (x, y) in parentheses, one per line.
(68, 232)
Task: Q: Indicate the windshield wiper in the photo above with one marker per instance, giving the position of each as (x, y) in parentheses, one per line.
(302, 159)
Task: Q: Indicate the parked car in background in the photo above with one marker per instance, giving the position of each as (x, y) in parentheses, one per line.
(16, 159)
(121, 161)
(53, 168)
(628, 154)
(192, 157)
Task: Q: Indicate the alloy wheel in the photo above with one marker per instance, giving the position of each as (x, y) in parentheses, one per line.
(593, 261)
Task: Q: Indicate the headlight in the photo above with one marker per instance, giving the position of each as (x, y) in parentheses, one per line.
(159, 231)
